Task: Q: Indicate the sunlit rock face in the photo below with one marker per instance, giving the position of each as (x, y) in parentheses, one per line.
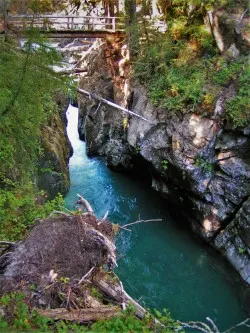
(197, 164)
(53, 170)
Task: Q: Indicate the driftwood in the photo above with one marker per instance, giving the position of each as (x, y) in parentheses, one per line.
(69, 245)
(85, 203)
(86, 275)
(141, 221)
(82, 315)
(211, 327)
(116, 292)
(124, 227)
(116, 106)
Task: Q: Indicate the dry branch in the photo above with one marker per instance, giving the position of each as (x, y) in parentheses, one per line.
(116, 106)
(58, 212)
(117, 293)
(85, 203)
(86, 275)
(141, 221)
(123, 228)
(104, 217)
(196, 325)
(245, 323)
(202, 327)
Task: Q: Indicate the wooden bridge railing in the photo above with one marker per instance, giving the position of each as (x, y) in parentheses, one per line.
(69, 23)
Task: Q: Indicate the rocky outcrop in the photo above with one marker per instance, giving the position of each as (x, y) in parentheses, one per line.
(53, 171)
(64, 268)
(234, 241)
(102, 126)
(202, 168)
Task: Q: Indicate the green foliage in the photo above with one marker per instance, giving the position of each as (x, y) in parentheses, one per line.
(171, 66)
(238, 107)
(164, 164)
(19, 208)
(28, 86)
(19, 316)
(202, 163)
(179, 89)
(242, 250)
(183, 70)
(128, 322)
(137, 149)
(96, 293)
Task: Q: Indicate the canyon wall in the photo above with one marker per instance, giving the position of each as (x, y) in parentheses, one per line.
(199, 164)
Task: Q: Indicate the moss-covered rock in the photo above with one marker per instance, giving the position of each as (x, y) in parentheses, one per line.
(53, 171)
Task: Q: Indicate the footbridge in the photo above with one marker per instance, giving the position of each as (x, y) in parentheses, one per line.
(71, 26)
(66, 26)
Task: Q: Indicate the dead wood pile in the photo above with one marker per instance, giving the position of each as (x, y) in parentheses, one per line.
(64, 267)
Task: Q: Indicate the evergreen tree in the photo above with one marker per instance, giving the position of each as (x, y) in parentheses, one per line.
(28, 85)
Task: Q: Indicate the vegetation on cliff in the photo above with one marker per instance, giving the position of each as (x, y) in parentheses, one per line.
(188, 67)
(28, 86)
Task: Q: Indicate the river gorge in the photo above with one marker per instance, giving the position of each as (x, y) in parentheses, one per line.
(160, 263)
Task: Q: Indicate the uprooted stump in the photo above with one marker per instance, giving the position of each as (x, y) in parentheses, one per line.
(59, 267)
(67, 245)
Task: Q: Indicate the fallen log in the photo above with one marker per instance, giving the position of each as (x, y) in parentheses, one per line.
(82, 315)
(85, 203)
(116, 106)
(116, 292)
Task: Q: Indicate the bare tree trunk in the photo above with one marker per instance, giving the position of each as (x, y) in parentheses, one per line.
(82, 315)
(132, 29)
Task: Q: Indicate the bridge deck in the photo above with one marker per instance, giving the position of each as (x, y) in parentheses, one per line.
(68, 26)
(62, 26)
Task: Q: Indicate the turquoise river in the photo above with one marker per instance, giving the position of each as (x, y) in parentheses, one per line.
(160, 263)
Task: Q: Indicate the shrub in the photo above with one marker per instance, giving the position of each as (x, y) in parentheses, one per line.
(19, 316)
(18, 209)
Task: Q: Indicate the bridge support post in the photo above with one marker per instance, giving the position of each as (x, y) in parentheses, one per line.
(113, 23)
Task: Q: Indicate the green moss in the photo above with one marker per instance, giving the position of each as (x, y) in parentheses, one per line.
(238, 108)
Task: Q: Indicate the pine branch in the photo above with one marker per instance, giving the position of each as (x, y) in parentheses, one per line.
(24, 71)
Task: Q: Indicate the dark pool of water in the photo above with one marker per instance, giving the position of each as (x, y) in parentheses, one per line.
(160, 263)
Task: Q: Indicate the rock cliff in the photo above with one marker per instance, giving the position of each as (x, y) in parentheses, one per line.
(199, 164)
(53, 171)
